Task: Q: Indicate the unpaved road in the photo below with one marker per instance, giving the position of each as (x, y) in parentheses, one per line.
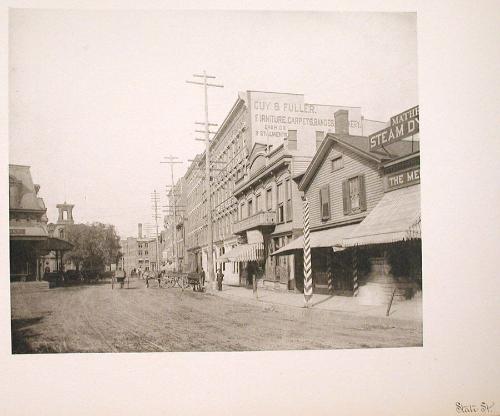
(98, 319)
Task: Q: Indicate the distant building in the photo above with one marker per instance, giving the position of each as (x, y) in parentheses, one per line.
(139, 252)
(59, 230)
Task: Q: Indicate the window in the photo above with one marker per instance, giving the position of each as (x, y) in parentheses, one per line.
(258, 203)
(61, 234)
(337, 163)
(292, 139)
(250, 207)
(354, 195)
(324, 202)
(145, 245)
(146, 252)
(242, 210)
(288, 200)
(320, 135)
(281, 200)
(269, 199)
(140, 253)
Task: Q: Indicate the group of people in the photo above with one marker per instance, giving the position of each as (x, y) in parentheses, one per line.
(121, 274)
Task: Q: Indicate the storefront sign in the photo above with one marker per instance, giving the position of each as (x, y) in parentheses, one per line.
(273, 114)
(17, 231)
(403, 125)
(405, 178)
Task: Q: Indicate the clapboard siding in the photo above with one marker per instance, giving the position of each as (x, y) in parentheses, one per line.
(354, 164)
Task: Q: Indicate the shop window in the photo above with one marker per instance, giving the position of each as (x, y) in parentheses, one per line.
(354, 195)
(324, 202)
(281, 201)
(288, 184)
(337, 163)
(292, 139)
(320, 135)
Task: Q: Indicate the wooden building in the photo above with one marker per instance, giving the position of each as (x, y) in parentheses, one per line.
(342, 185)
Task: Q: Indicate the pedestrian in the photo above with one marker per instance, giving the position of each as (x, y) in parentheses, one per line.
(202, 278)
(220, 278)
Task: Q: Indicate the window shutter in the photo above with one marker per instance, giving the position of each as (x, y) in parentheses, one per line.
(328, 199)
(321, 202)
(345, 197)
(362, 192)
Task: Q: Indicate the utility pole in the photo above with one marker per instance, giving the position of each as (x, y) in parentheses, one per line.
(171, 161)
(155, 199)
(210, 250)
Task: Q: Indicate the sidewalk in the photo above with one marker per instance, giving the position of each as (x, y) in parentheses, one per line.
(404, 310)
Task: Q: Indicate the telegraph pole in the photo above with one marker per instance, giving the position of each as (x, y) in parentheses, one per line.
(210, 250)
(155, 198)
(171, 161)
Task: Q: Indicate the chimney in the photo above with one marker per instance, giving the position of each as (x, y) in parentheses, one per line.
(341, 122)
(139, 231)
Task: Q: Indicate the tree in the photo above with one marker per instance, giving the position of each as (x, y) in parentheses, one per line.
(95, 245)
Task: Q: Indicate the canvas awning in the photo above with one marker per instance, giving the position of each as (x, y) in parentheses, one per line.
(243, 252)
(395, 218)
(331, 237)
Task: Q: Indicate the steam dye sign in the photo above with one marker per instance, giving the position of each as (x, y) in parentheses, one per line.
(402, 125)
(273, 114)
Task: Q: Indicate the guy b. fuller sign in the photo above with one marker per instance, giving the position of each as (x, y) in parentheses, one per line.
(402, 125)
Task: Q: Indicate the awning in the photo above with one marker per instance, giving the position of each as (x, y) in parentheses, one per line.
(395, 218)
(243, 252)
(331, 237)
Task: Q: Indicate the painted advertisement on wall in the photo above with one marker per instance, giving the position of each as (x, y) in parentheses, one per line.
(273, 114)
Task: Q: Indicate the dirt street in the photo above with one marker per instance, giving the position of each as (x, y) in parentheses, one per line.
(98, 319)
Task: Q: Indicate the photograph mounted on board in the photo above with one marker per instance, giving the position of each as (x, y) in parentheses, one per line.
(257, 194)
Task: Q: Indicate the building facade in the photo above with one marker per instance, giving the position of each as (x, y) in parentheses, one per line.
(29, 239)
(345, 183)
(263, 118)
(139, 253)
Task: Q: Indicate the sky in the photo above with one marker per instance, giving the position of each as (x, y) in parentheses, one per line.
(97, 98)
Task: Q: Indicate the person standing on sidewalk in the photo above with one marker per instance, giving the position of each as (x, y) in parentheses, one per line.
(220, 278)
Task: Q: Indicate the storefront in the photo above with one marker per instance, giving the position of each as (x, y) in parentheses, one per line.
(331, 265)
(387, 243)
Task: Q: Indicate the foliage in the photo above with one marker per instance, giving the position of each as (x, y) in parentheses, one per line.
(95, 245)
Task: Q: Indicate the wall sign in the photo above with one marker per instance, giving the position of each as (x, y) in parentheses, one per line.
(17, 231)
(273, 114)
(405, 178)
(402, 125)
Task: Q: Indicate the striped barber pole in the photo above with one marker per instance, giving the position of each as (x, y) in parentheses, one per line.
(308, 286)
(355, 290)
(330, 278)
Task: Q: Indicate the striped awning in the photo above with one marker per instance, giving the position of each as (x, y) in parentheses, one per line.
(395, 218)
(244, 252)
(331, 237)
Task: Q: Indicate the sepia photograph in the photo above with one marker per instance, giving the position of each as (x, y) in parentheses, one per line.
(220, 209)
(167, 194)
